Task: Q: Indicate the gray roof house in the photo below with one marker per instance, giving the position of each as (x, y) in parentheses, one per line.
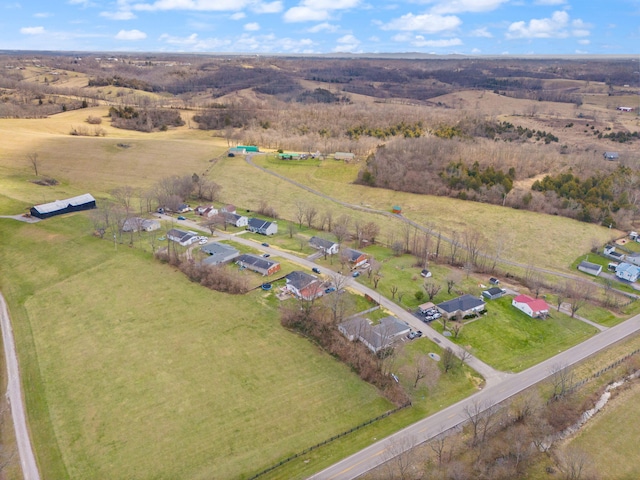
(263, 227)
(464, 305)
(135, 224)
(304, 285)
(257, 264)
(235, 219)
(182, 237)
(355, 257)
(493, 293)
(610, 251)
(375, 337)
(627, 272)
(590, 268)
(219, 253)
(327, 246)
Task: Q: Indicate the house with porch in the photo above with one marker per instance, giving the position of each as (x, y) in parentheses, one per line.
(376, 337)
(534, 307)
(263, 227)
(303, 285)
(328, 247)
(462, 306)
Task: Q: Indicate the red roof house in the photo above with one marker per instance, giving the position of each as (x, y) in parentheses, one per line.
(534, 307)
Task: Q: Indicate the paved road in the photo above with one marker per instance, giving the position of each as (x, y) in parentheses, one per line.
(14, 396)
(428, 428)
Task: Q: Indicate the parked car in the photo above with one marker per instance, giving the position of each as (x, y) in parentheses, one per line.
(203, 241)
(411, 335)
(315, 270)
(330, 289)
(418, 333)
(180, 217)
(266, 255)
(265, 244)
(355, 274)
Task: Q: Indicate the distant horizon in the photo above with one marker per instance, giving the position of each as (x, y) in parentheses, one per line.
(518, 28)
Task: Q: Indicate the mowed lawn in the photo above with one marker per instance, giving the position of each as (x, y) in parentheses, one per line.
(509, 340)
(131, 371)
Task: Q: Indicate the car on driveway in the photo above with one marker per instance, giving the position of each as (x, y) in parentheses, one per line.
(355, 274)
(330, 289)
(180, 217)
(418, 333)
(411, 335)
(315, 270)
(203, 241)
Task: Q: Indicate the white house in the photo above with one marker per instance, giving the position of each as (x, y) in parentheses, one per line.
(326, 246)
(627, 272)
(534, 307)
(263, 227)
(183, 238)
(236, 220)
(375, 337)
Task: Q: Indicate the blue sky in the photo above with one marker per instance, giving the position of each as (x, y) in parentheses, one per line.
(482, 27)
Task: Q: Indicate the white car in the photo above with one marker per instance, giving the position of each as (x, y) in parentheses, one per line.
(203, 241)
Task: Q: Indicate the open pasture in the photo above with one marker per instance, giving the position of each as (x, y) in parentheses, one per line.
(165, 381)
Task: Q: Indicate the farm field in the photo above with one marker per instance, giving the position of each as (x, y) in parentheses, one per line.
(138, 383)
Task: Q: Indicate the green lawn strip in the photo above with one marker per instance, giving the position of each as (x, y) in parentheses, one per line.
(451, 388)
(169, 380)
(281, 240)
(509, 340)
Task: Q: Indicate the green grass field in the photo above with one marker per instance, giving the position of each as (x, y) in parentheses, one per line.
(509, 340)
(166, 381)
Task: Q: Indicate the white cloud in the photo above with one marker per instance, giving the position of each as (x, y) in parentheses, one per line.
(481, 32)
(273, 7)
(190, 40)
(43, 15)
(475, 51)
(420, 41)
(131, 35)
(550, 2)
(252, 27)
(317, 10)
(32, 30)
(323, 27)
(196, 5)
(347, 43)
(238, 16)
(464, 6)
(554, 27)
(426, 23)
(119, 15)
(584, 41)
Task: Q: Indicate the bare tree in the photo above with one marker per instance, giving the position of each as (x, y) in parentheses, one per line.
(310, 213)
(574, 463)
(561, 379)
(473, 243)
(394, 290)
(579, 294)
(449, 360)
(339, 304)
(452, 279)
(432, 289)
(425, 368)
(34, 161)
(455, 245)
(533, 280)
(481, 416)
(456, 328)
(291, 229)
(327, 218)
(401, 457)
(341, 228)
(300, 210)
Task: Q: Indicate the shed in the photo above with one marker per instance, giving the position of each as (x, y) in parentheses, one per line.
(397, 209)
(611, 155)
(74, 204)
(493, 293)
(344, 156)
(218, 253)
(590, 268)
(248, 148)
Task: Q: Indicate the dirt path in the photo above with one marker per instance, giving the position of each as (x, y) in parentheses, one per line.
(14, 397)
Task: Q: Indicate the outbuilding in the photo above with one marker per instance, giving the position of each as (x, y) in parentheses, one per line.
(590, 268)
(59, 207)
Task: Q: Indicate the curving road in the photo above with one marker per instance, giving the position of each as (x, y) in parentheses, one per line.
(14, 397)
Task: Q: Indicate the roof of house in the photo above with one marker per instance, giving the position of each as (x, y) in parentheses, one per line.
(215, 248)
(321, 242)
(256, 262)
(352, 254)
(590, 266)
(232, 216)
(177, 233)
(426, 306)
(135, 223)
(62, 204)
(258, 223)
(462, 303)
(536, 304)
(494, 291)
(628, 268)
(378, 336)
(300, 280)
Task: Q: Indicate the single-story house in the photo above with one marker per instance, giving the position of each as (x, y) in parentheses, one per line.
(228, 209)
(493, 293)
(610, 251)
(590, 268)
(347, 156)
(304, 285)
(633, 258)
(183, 208)
(183, 238)
(219, 253)
(627, 272)
(534, 307)
(464, 305)
(73, 204)
(135, 224)
(235, 219)
(258, 264)
(327, 246)
(375, 337)
(611, 155)
(425, 307)
(210, 212)
(355, 257)
(263, 227)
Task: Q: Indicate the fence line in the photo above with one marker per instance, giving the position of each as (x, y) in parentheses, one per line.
(329, 440)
